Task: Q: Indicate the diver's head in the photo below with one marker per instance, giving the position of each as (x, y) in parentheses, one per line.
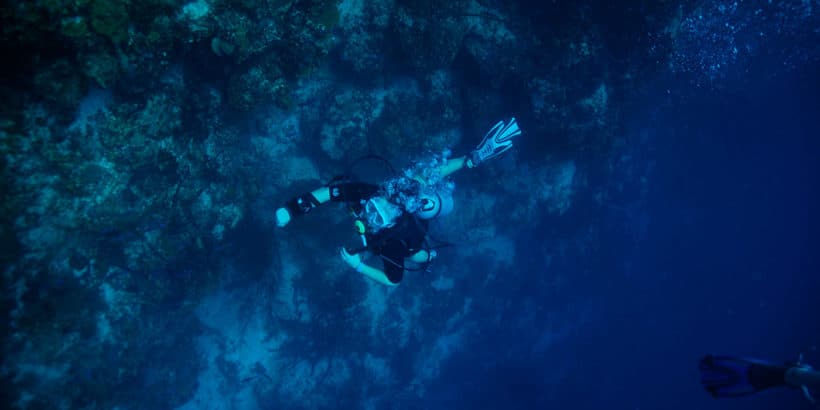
(380, 213)
(421, 189)
(413, 196)
(434, 204)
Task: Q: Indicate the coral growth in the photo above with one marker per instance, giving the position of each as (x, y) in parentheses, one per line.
(146, 144)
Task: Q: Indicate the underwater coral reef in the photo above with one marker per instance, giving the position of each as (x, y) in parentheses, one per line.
(146, 144)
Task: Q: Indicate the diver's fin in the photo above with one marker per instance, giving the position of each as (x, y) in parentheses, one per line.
(497, 140)
(724, 376)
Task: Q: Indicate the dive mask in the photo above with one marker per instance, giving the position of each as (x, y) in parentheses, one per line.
(380, 213)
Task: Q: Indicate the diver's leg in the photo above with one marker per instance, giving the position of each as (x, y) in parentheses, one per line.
(322, 194)
(345, 192)
(802, 376)
(301, 205)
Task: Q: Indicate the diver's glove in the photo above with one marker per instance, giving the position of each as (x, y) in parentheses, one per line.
(497, 140)
(354, 260)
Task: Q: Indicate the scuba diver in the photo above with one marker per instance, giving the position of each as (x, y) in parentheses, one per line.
(392, 218)
(726, 376)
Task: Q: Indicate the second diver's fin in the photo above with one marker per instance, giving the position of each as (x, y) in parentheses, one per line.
(724, 376)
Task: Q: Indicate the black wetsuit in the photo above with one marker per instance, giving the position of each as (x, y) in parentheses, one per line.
(402, 240)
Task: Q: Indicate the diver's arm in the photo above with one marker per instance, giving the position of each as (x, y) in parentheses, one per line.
(452, 166)
(495, 142)
(423, 256)
(355, 262)
(376, 274)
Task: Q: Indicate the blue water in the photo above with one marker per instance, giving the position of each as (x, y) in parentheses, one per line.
(730, 261)
(727, 262)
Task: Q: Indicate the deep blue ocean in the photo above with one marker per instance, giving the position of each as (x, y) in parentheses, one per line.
(724, 261)
(659, 205)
